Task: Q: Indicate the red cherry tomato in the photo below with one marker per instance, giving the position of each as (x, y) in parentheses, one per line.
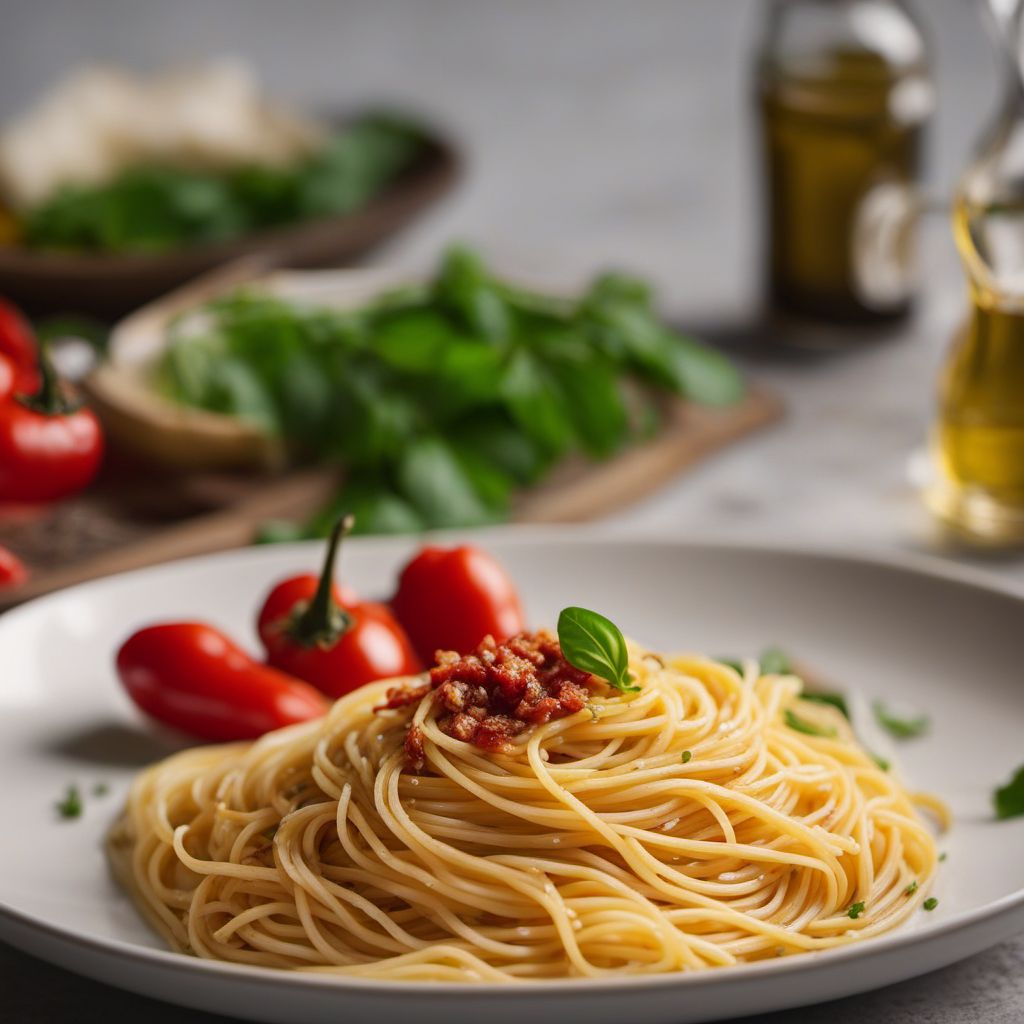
(12, 570)
(313, 629)
(18, 343)
(8, 377)
(50, 446)
(190, 676)
(451, 598)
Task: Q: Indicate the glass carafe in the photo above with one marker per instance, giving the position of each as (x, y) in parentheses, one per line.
(979, 436)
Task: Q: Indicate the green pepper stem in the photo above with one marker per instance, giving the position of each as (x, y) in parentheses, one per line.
(323, 621)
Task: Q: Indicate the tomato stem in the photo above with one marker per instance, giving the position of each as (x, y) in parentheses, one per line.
(323, 621)
(50, 399)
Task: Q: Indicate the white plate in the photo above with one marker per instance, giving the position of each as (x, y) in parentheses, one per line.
(927, 635)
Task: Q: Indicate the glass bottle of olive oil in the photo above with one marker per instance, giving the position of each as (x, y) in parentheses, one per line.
(844, 92)
(979, 437)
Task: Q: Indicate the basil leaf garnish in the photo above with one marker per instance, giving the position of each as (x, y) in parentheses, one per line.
(594, 644)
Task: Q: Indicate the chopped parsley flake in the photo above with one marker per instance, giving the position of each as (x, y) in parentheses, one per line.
(901, 728)
(931, 903)
(911, 889)
(71, 805)
(943, 856)
(775, 662)
(856, 909)
(100, 789)
(686, 756)
(882, 762)
(794, 721)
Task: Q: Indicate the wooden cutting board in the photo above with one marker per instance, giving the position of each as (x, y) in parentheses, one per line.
(133, 518)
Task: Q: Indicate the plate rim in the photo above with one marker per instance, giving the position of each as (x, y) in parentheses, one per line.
(918, 564)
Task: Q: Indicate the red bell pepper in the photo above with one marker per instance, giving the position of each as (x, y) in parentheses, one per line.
(50, 444)
(192, 677)
(451, 598)
(314, 630)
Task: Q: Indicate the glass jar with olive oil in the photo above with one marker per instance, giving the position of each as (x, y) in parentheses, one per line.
(844, 92)
(979, 437)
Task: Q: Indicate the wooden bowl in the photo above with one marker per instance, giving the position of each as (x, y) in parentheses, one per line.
(110, 285)
(143, 423)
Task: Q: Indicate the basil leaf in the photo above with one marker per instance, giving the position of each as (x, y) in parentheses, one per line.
(794, 721)
(1009, 799)
(835, 700)
(595, 405)
(466, 288)
(537, 404)
(437, 486)
(901, 728)
(704, 375)
(595, 644)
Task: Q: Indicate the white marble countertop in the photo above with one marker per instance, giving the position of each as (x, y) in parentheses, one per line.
(603, 132)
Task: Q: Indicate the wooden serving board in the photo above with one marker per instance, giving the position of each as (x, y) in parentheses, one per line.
(134, 518)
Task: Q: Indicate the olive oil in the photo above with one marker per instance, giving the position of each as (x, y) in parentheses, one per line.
(841, 121)
(979, 437)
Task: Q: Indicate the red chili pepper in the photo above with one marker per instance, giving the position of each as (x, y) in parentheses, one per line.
(314, 630)
(451, 598)
(12, 569)
(192, 677)
(18, 343)
(50, 445)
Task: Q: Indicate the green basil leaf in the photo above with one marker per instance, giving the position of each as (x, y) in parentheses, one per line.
(595, 405)
(836, 700)
(537, 404)
(705, 376)
(1009, 799)
(413, 340)
(468, 291)
(432, 480)
(595, 644)
(794, 721)
(495, 438)
(901, 728)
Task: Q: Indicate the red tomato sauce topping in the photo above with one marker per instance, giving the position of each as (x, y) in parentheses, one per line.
(493, 694)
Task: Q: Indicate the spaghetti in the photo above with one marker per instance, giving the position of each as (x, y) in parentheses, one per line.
(679, 827)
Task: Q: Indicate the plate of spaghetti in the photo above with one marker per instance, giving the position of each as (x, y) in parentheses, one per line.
(670, 782)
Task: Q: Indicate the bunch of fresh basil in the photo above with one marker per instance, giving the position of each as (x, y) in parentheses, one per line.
(154, 208)
(442, 400)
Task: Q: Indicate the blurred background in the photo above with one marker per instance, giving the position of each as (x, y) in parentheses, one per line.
(593, 135)
(589, 137)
